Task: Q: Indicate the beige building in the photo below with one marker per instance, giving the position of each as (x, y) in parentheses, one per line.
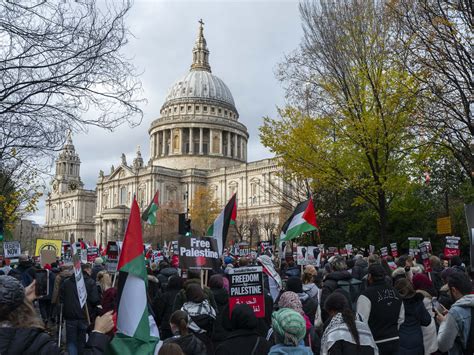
(196, 141)
(69, 207)
(26, 232)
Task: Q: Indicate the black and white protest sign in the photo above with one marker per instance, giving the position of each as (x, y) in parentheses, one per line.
(11, 249)
(197, 252)
(246, 287)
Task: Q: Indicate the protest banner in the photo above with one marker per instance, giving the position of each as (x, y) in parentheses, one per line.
(174, 247)
(48, 244)
(443, 225)
(246, 287)
(156, 257)
(384, 252)
(333, 251)
(92, 253)
(349, 249)
(197, 252)
(244, 249)
(425, 255)
(11, 249)
(308, 255)
(47, 256)
(413, 246)
(394, 250)
(371, 249)
(452, 247)
(113, 253)
(81, 286)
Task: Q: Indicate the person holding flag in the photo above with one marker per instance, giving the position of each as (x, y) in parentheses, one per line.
(137, 332)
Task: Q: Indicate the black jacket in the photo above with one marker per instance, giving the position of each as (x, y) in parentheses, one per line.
(164, 275)
(330, 285)
(163, 308)
(221, 297)
(190, 344)
(416, 316)
(70, 300)
(343, 347)
(34, 341)
(95, 270)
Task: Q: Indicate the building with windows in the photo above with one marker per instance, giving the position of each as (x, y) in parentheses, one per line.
(197, 140)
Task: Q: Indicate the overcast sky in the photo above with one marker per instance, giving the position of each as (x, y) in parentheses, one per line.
(246, 40)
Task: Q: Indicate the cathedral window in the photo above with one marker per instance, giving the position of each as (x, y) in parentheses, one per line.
(182, 108)
(189, 108)
(175, 109)
(197, 108)
(225, 113)
(213, 109)
(204, 108)
(219, 111)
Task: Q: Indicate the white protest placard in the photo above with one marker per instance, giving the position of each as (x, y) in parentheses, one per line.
(81, 286)
(309, 255)
(11, 249)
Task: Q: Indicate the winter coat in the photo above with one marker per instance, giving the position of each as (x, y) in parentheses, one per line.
(164, 276)
(312, 291)
(330, 285)
(454, 331)
(430, 342)
(190, 344)
(163, 308)
(281, 349)
(181, 296)
(310, 306)
(57, 284)
(243, 339)
(293, 271)
(444, 297)
(95, 270)
(343, 347)
(34, 341)
(416, 316)
(221, 297)
(360, 269)
(68, 297)
(153, 289)
(436, 278)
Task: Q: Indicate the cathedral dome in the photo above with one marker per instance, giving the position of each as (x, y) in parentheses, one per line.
(200, 85)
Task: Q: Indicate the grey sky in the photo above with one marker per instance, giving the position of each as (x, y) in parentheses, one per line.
(246, 40)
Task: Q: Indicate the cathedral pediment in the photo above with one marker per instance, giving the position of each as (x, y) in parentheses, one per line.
(121, 172)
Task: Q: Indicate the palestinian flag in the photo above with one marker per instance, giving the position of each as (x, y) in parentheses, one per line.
(136, 330)
(220, 227)
(302, 220)
(149, 215)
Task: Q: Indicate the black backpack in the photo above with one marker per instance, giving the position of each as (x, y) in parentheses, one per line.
(352, 289)
(470, 339)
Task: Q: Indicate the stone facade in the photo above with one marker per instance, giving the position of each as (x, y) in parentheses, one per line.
(196, 141)
(69, 207)
(26, 232)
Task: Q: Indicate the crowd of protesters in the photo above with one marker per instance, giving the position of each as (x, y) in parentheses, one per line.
(356, 305)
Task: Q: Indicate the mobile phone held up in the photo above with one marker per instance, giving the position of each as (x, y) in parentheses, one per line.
(438, 307)
(42, 282)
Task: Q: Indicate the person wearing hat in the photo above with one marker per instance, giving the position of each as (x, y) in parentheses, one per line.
(416, 316)
(384, 314)
(289, 330)
(22, 332)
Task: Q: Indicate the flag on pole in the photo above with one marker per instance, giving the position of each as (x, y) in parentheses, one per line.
(136, 330)
(149, 215)
(303, 219)
(220, 227)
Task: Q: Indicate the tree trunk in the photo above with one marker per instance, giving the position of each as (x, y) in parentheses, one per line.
(383, 217)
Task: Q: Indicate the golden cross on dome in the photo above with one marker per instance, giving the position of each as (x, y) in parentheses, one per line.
(201, 22)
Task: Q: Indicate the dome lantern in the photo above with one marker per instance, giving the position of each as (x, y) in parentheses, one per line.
(200, 51)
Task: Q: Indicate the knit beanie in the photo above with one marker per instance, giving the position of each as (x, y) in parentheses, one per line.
(289, 326)
(12, 293)
(422, 282)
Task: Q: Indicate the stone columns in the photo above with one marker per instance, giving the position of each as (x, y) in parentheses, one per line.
(152, 144)
(171, 152)
(211, 141)
(235, 146)
(157, 145)
(229, 142)
(200, 140)
(181, 141)
(242, 139)
(163, 142)
(221, 144)
(191, 141)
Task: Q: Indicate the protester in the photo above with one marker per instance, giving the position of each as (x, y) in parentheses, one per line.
(309, 287)
(310, 306)
(289, 329)
(194, 278)
(98, 267)
(243, 338)
(21, 332)
(22, 270)
(416, 317)
(75, 316)
(293, 270)
(274, 279)
(44, 302)
(163, 306)
(166, 271)
(216, 284)
(384, 314)
(188, 342)
(104, 282)
(435, 274)
(455, 335)
(170, 349)
(201, 314)
(344, 335)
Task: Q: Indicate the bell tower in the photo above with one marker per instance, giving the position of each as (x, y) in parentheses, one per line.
(67, 175)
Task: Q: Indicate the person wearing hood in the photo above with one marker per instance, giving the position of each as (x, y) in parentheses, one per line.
(166, 271)
(310, 306)
(416, 317)
(243, 338)
(22, 332)
(216, 284)
(162, 306)
(289, 329)
(453, 334)
(194, 278)
(424, 286)
(360, 268)
(188, 342)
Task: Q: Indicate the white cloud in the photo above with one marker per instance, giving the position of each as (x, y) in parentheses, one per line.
(246, 39)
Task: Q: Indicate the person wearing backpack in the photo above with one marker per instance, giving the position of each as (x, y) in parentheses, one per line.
(381, 307)
(456, 331)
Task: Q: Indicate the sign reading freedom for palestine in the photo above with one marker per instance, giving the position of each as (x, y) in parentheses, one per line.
(197, 252)
(246, 287)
